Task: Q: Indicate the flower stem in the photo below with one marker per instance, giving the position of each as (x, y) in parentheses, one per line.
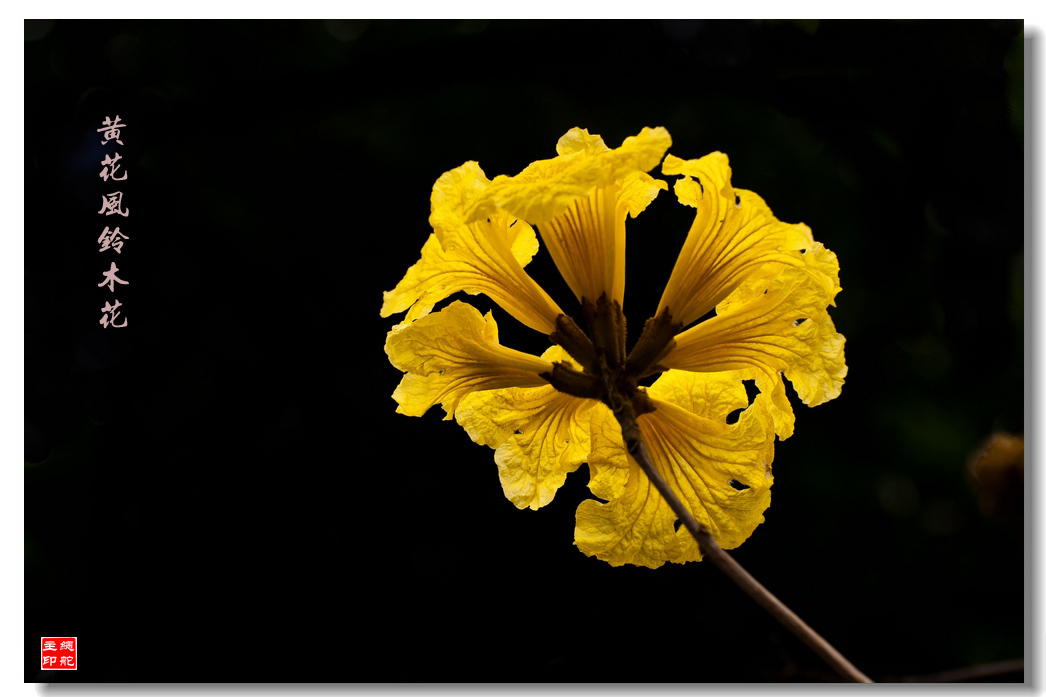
(711, 550)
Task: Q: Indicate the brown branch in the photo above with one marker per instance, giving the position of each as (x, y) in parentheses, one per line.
(711, 550)
(982, 672)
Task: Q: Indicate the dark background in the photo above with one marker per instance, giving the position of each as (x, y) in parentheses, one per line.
(222, 491)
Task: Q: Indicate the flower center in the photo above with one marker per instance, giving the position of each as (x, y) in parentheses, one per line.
(608, 374)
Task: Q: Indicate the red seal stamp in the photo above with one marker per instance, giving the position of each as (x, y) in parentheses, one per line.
(58, 653)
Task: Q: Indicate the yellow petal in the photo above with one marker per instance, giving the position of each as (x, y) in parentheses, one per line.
(579, 201)
(609, 469)
(733, 234)
(552, 438)
(716, 395)
(637, 191)
(721, 473)
(486, 256)
(580, 140)
(539, 435)
(775, 322)
(546, 188)
(701, 458)
(587, 244)
(635, 526)
(711, 395)
(451, 353)
(778, 406)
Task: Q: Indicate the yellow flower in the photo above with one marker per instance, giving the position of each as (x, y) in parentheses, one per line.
(769, 283)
